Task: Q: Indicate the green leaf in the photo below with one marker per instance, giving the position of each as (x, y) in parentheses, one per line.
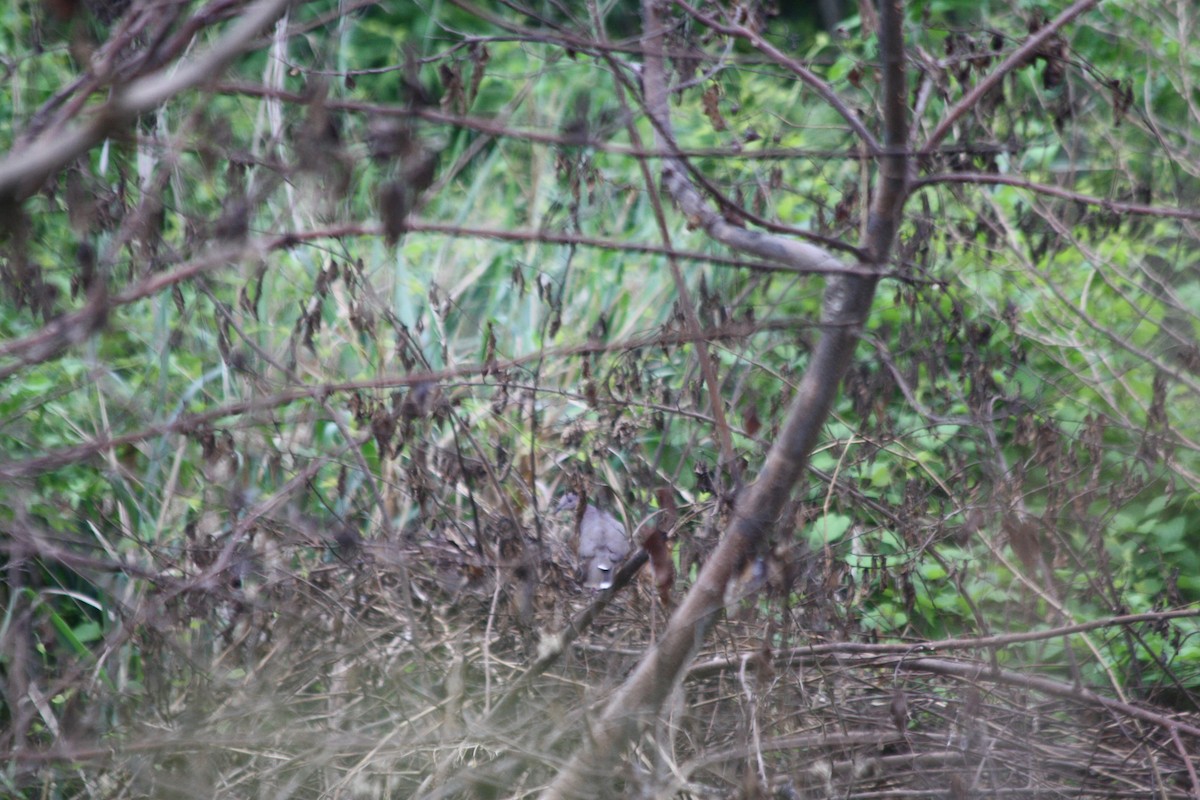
(827, 529)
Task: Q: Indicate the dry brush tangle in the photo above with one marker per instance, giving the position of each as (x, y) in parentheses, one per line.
(867, 333)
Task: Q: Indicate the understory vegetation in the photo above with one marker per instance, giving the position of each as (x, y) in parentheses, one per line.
(312, 312)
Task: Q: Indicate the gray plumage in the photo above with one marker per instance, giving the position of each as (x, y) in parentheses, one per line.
(602, 543)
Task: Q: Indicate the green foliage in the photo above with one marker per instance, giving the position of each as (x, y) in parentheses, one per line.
(1029, 369)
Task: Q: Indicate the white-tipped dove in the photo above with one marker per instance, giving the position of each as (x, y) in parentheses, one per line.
(602, 543)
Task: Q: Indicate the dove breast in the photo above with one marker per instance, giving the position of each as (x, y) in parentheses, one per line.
(603, 545)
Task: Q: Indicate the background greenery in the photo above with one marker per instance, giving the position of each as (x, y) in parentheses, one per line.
(314, 472)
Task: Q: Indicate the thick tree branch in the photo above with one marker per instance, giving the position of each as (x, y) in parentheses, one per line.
(21, 173)
(798, 255)
(847, 301)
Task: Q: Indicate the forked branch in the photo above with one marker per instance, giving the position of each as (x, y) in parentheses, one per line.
(847, 300)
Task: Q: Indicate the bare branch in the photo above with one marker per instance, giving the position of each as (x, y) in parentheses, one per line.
(22, 172)
(1116, 206)
(1047, 686)
(1018, 57)
(823, 89)
(758, 507)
